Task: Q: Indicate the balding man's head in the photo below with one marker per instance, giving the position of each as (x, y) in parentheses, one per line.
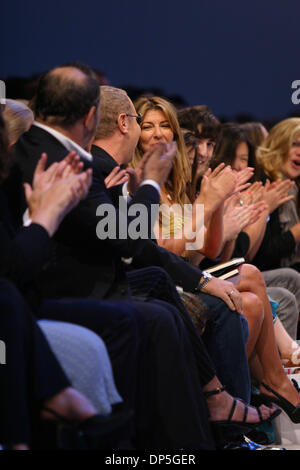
(66, 94)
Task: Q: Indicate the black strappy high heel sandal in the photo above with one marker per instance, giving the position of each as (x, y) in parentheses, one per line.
(292, 411)
(240, 423)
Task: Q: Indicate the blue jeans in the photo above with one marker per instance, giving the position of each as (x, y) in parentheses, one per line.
(225, 338)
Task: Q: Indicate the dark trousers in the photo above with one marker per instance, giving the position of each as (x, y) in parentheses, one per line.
(31, 373)
(116, 324)
(154, 367)
(225, 335)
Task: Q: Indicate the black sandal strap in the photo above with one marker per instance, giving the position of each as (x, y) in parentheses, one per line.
(280, 397)
(216, 391)
(246, 409)
(295, 383)
(259, 413)
(268, 388)
(232, 409)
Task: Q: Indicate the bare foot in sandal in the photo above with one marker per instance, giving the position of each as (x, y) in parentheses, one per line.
(224, 408)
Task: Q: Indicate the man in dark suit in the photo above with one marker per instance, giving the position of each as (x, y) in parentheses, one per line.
(110, 148)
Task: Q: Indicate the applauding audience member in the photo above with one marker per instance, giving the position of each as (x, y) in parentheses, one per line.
(278, 158)
(235, 148)
(201, 131)
(27, 386)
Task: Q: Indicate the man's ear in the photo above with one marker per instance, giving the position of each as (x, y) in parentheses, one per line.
(89, 119)
(122, 123)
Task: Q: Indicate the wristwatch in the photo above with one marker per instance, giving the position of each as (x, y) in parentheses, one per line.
(206, 278)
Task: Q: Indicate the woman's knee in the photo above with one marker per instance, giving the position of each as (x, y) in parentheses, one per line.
(252, 276)
(252, 307)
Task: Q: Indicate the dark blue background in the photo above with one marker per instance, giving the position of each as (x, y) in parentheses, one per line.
(235, 56)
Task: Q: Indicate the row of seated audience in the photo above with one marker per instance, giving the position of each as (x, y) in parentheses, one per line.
(174, 349)
(24, 88)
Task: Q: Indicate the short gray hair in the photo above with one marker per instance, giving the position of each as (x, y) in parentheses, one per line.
(113, 102)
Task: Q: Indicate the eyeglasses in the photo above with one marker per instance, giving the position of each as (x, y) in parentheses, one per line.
(138, 117)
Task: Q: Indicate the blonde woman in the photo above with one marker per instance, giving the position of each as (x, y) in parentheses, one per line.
(18, 118)
(279, 158)
(160, 124)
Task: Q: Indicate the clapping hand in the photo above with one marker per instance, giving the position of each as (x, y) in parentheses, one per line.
(136, 175)
(159, 162)
(242, 177)
(237, 216)
(217, 186)
(253, 194)
(116, 177)
(276, 193)
(56, 191)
